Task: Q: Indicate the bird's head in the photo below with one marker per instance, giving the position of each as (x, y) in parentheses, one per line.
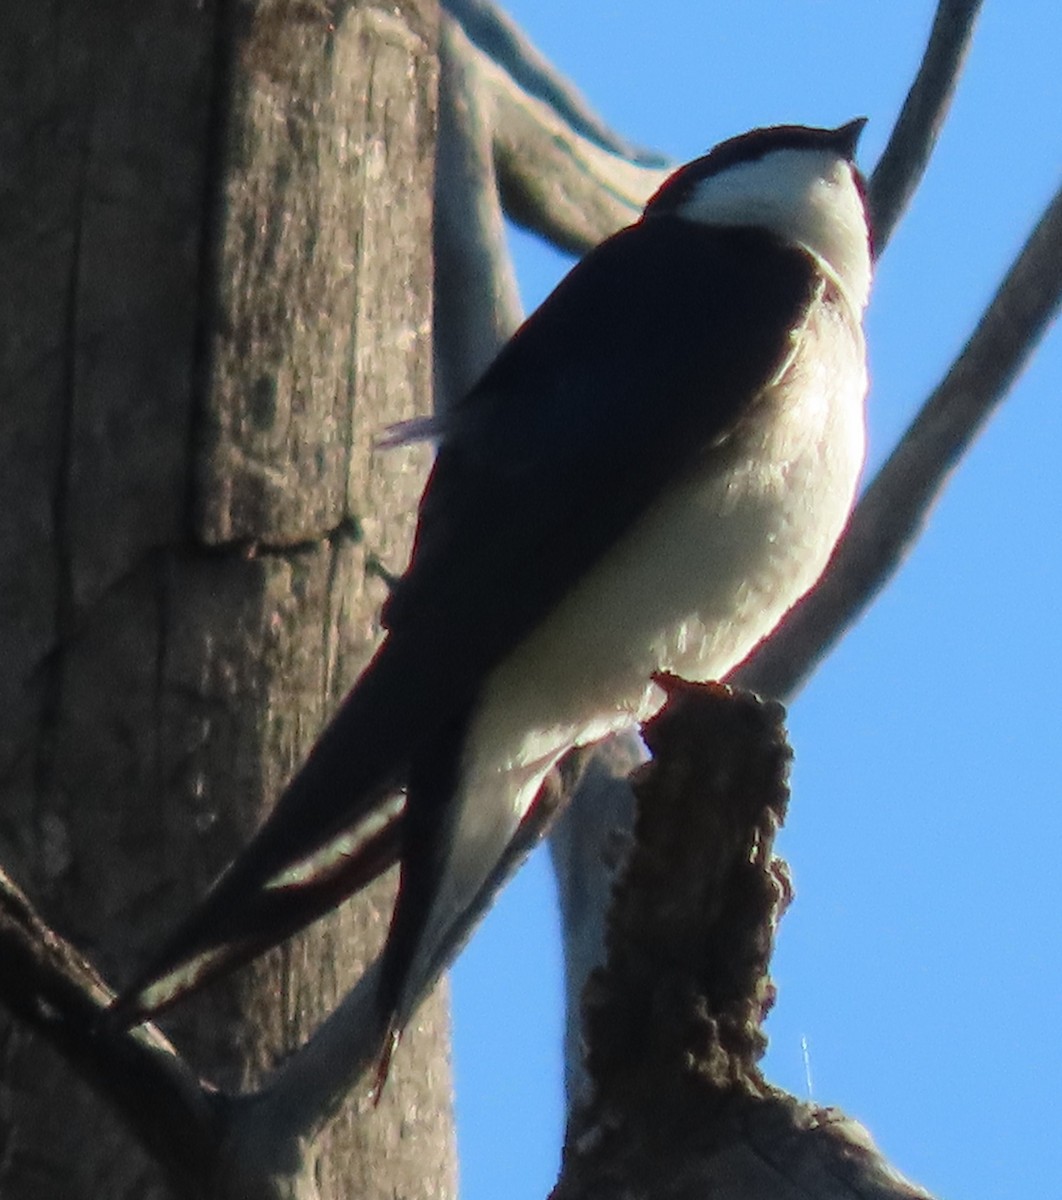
(800, 183)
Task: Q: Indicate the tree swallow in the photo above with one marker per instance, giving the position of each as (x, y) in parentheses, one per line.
(652, 471)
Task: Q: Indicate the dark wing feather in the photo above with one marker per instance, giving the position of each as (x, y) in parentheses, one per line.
(541, 470)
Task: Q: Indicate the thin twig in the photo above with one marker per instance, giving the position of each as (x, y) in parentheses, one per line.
(904, 160)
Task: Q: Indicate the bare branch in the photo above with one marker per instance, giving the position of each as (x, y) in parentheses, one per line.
(554, 180)
(46, 984)
(477, 303)
(586, 845)
(903, 163)
(272, 1126)
(203, 1137)
(502, 41)
(890, 515)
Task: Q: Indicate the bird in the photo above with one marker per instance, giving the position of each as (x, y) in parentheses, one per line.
(651, 472)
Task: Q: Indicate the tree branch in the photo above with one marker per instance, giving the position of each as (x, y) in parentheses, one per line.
(211, 1144)
(503, 42)
(477, 302)
(690, 942)
(585, 845)
(905, 158)
(47, 985)
(557, 182)
(673, 1019)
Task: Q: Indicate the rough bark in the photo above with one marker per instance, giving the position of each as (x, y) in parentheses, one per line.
(215, 248)
(675, 1105)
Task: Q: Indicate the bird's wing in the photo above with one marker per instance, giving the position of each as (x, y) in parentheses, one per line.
(541, 468)
(607, 393)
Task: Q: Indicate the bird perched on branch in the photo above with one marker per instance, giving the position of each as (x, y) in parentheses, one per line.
(653, 470)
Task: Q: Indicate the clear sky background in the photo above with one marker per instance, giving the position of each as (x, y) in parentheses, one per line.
(920, 960)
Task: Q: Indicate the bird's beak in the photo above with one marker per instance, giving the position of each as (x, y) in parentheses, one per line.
(846, 137)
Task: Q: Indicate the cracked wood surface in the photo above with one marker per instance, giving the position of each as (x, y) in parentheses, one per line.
(190, 508)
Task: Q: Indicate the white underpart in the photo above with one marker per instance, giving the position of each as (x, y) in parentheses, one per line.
(709, 571)
(808, 197)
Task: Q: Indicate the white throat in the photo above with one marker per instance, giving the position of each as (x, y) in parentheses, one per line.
(808, 197)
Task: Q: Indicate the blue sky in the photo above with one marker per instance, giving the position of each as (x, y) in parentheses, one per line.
(920, 961)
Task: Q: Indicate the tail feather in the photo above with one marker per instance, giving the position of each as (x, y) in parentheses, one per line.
(241, 920)
(336, 827)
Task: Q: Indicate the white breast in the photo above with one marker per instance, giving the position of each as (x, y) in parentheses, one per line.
(707, 573)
